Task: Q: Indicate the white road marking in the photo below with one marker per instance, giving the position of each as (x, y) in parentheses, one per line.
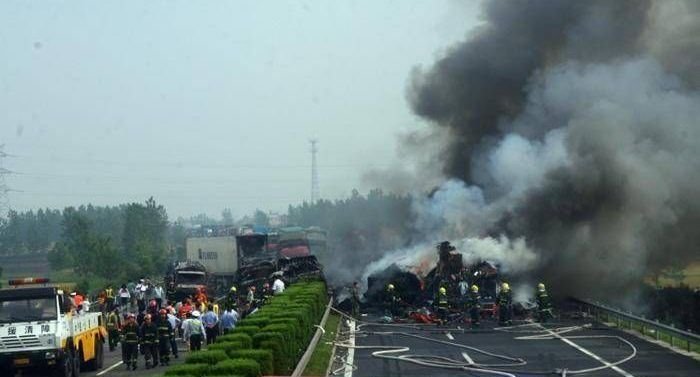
(466, 357)
(110, 368)
(587, 352)
(351, 350)
(449, 336)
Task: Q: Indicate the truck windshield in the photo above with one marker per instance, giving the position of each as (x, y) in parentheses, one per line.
(32, 309)
(190, 278)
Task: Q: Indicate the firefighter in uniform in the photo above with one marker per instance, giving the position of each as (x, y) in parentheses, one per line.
(355, 300)
(391, 301)
(109, 292)
(443, 307)
(130, 342)
(474, 304)
(232, 299)
(544, 305)
(149, 341)
(113, 327)
(505, 305)
(165, 334)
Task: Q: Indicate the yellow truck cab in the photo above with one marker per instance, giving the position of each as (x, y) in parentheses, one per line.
(40, 330)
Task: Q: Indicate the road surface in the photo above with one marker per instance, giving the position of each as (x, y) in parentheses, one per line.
(541, 349)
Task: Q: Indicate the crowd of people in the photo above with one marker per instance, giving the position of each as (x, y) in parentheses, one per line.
(144, 321)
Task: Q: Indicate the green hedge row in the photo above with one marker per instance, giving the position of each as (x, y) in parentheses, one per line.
(270, 341)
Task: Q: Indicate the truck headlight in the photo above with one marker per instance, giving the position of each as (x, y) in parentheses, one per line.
(50, 355)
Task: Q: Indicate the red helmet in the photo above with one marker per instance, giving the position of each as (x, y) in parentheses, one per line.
(163, 312)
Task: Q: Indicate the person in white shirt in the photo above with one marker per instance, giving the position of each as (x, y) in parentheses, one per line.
(124, 296)
(277, 286)
(193, 331)
(158, 295)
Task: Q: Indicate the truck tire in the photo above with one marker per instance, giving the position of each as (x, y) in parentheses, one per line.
(77, 360)
(65, 368)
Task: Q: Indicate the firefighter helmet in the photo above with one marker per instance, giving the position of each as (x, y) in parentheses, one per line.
(147, 317)
(475, 288)
(390, 287)
(505, 287)
(540, 287)
(163, 312)
(233, 289)
(443, 290)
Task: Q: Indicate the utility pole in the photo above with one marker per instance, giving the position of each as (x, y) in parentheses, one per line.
(4, 189)
(315, 191)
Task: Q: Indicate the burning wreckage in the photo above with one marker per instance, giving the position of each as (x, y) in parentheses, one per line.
(416, 291)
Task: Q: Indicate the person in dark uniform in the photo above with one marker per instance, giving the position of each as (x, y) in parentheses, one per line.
(231, 301)
(474, 304)
(130, 342)
(113, 326)
(391, 303)
(149, 341)
(505, 305)
(544, 304)
(165, 335)
(355, 291)
(442, 304)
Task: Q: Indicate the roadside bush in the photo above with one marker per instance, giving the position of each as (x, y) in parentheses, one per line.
(255, 320)
(263, 357)
(206, 357)
(299, 332)
(242, 367)
(249, 330)
(183, 370)
(225, 346)
(280, 361)
(243, 338)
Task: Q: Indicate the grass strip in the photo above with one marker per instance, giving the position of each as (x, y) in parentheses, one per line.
(318, 364)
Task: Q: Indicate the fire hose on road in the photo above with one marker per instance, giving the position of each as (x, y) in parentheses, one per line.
(507, 368)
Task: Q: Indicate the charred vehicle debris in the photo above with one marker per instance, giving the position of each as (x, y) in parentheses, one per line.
(401, 294)
(219, 258)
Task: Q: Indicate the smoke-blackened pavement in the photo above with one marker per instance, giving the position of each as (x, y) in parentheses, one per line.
(541, 355)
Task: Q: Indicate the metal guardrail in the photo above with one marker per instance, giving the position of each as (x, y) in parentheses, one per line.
(312, 345)
(668, 334)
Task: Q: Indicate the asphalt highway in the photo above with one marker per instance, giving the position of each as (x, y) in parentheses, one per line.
(579, 347)
(113, 366)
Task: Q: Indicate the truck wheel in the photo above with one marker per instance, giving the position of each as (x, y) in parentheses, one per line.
(65, 369)
(77, 358)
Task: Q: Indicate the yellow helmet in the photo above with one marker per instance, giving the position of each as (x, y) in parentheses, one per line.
(505, 287)
(475, 288)
(390, 287)
(233, 289)
(540, 287)
(443, 290)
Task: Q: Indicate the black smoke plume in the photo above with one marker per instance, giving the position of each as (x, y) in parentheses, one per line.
(573, 125)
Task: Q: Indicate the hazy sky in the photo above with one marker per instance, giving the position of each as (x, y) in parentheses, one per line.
(207, 105)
